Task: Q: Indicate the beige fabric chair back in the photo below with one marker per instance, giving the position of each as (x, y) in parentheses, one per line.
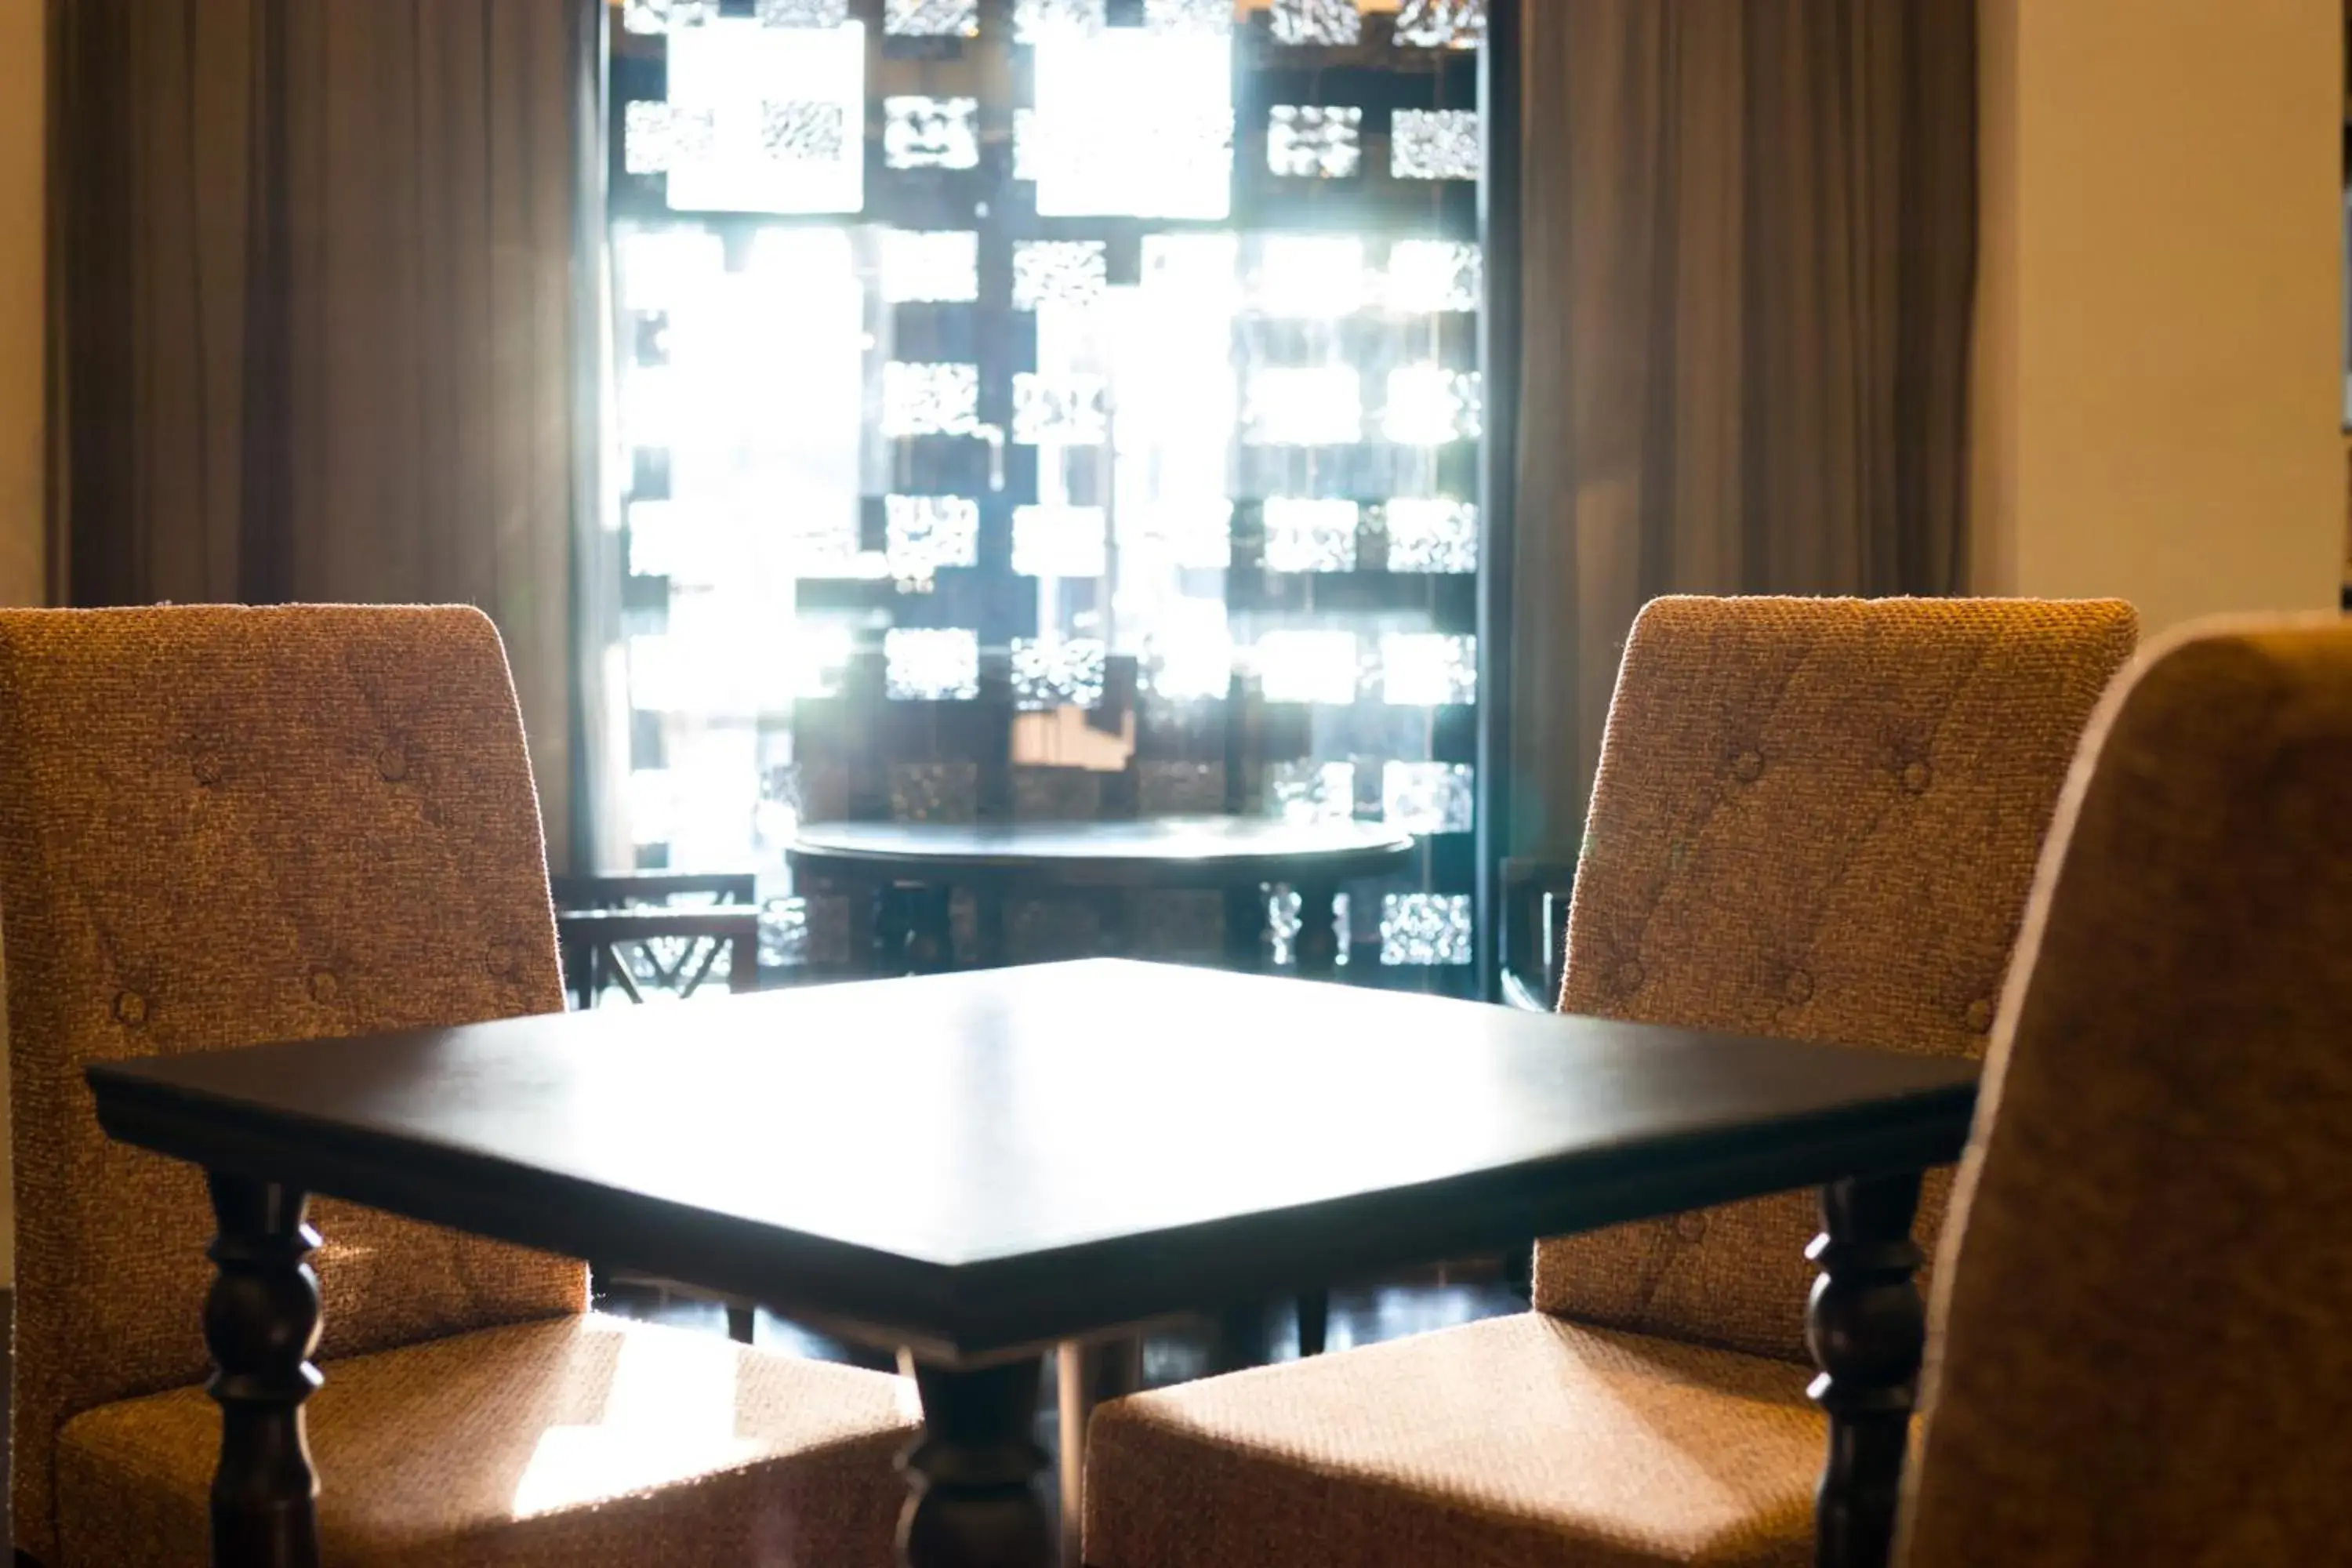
(2144, 1351)
(1818, 819)
(220, 826)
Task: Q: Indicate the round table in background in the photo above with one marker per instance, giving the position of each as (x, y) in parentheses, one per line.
(1234, 855)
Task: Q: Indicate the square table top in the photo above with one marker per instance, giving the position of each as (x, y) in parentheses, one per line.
(976, 1163)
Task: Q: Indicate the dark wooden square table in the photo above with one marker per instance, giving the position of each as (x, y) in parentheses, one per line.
(973, 1167)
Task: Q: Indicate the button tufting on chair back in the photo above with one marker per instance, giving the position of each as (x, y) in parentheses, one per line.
(220, 826)
(2141, 1351)
(1818, 819)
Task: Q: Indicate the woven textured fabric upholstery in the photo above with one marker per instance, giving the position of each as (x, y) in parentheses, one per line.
(2143, 1328)
(1815, 818)
(220, 826)
(1818, 819)
(1518, 1441)
(513, 1447)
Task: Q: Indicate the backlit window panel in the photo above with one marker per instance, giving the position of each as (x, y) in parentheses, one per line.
(814, 657)
(649, 405)
(1058, 271)
(929, 267)
(1317, 22)
(802, 13)
(1057, 673)
(1426, 797)
(1058, 540)
(1215, 18)
(1319, 405)
(1428, 405)
(1036, 19)
(1311, 791)
(1192, 659)
(825, 544)
(1130, 123)
(1434, 144)
(784, 107)
(1433, 276)
(931, 18)
(653, 805)
(1309, 666)
(662, 268)
(800, 130)
(1184, 534)
(1305, 141)
(927, 533)
(1425, 927)
(667, 15)
(1065, 410)
(920, 398)
(931, 665)
(657, 137)
(1432, 535)
(1426, 669)
(1033, 432)
(1193, 269)
(1441, 23)
(1310, 535)
(1029, 152)
(1309, 276)
(920, 132)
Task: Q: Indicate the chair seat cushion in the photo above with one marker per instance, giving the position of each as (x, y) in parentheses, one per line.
(563, 1444)
(1521, 1440)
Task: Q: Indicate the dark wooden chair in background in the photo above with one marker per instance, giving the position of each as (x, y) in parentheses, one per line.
(1535, 930)
(603, 923)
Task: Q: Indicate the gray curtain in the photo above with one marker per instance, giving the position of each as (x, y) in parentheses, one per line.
(1749, 261)
(320, 318)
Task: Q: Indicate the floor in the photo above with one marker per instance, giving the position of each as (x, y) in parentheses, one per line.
(1360, 1315)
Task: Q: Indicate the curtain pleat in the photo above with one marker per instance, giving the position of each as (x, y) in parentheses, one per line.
(321, 314)
(1749, 249)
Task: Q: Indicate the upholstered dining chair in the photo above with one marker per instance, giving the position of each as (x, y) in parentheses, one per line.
(223, 826)
(2142, 1345)
(1813, 819)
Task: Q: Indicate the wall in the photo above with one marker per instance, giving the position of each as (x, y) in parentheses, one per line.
(22, 143)
(2158, 397)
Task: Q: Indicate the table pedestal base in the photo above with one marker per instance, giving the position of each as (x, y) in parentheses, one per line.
(974, 1472)
(261, 1323)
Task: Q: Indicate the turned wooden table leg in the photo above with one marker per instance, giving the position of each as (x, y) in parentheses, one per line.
(1317, 942)
(974, 1471)
(930, 938)
(1314, 1321)
(261, 1323)
(1868, 1333)
(1318, 959)
(1238, 1338)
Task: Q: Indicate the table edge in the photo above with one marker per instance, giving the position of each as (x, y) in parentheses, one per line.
(1369, 857)
(974, 1311)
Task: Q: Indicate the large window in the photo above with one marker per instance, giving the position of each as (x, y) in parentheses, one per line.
(1052, 409)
